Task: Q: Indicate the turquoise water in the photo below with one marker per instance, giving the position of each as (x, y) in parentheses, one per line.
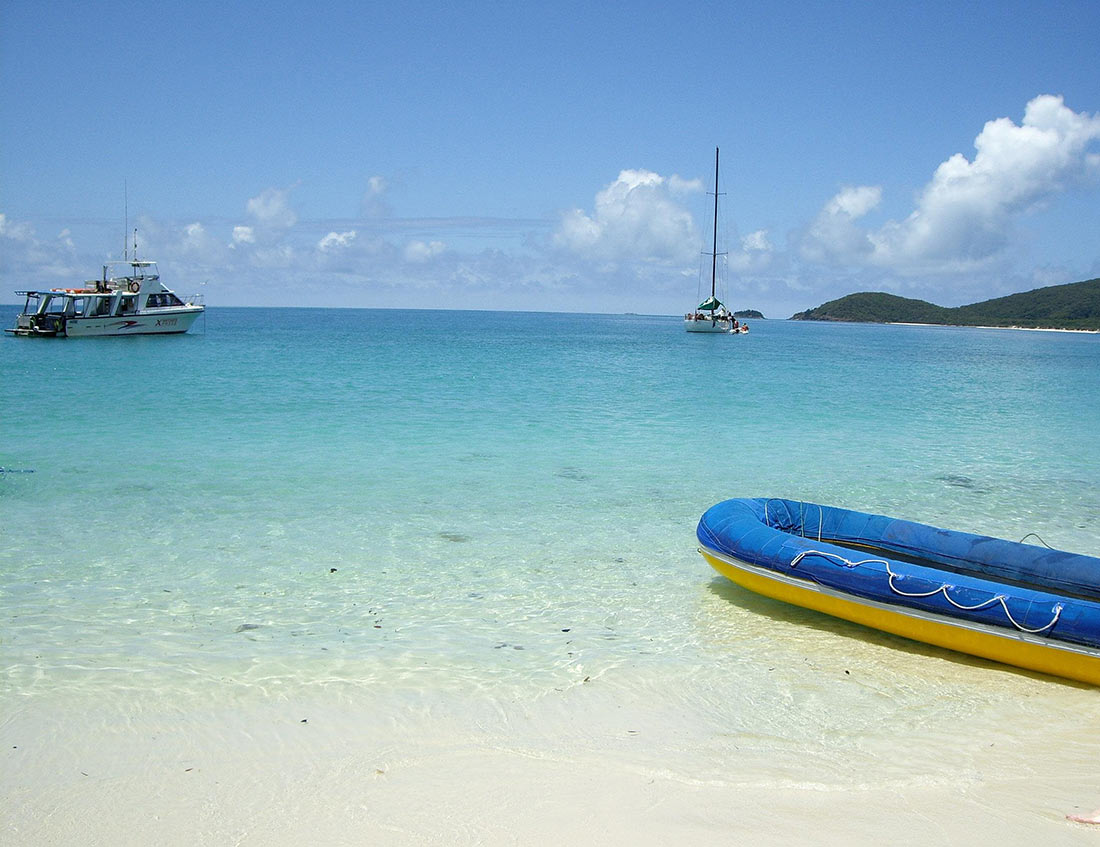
(501, 503)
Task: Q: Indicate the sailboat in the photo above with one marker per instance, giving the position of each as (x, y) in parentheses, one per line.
(711, 315)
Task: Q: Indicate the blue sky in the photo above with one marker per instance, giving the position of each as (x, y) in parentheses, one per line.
(552, 156)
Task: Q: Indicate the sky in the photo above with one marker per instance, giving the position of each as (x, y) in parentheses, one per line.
(552, 156)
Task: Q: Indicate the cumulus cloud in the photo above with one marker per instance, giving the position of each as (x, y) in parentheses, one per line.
(965, 212)
(756, 241)
(271, 208)
(637, 217)
(259, 241)
(24, 252)
(15, 230)
(336, 240)
(833, 236)
(374, 199)
(755, 255)
(420, 251)
(964, 216)
(197, 240)
(192, 244)
(679, 185)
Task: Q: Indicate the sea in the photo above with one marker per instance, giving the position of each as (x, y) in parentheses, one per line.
(498, 509)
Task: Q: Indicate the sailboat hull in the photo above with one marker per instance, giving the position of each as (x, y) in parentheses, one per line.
(707, 326)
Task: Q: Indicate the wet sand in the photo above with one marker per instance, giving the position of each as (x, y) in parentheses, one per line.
(588, 766)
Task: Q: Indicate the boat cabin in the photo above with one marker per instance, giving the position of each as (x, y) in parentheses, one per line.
(90, 303)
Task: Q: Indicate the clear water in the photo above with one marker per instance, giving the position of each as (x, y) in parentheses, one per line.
(503, 505)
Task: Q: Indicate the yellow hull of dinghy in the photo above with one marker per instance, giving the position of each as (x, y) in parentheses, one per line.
(1001, 645)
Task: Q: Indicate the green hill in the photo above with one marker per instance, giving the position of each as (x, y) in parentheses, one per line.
(1073, 306)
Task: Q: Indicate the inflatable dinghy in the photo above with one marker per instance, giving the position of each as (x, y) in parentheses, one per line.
(1021, 604)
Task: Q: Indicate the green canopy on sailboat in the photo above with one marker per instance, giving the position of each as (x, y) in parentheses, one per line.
(711, 304)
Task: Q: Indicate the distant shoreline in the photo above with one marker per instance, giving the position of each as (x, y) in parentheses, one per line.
(1073, 307)
(977, 326)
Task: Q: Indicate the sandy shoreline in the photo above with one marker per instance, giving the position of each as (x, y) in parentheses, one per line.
(587, 766)
(1022, 328)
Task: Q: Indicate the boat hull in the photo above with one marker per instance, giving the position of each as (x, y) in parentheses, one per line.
(866, 589)
(177, 321)
(985, 642)
(707, 326)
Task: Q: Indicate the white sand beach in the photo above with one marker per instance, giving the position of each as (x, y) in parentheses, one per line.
(1024, 328)
(589, 765)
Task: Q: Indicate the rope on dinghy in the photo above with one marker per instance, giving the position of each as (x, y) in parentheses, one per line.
(1036, 535)
(999, 598)
(801, 517)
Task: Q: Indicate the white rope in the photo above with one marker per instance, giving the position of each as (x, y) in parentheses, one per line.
(801, 517)
(999, 598)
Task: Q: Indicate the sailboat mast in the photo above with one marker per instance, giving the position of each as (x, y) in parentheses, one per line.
(714, 247)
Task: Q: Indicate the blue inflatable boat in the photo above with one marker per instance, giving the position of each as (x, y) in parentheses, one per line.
(1021, 604)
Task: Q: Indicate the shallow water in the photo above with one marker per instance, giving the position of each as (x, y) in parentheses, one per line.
(499, 508)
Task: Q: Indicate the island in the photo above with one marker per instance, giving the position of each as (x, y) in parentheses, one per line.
(749, 313)
(1072, 306)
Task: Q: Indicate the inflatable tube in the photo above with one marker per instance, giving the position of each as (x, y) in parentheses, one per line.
(1028, 606)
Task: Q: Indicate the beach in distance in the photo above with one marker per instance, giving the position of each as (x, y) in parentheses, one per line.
(362, 576)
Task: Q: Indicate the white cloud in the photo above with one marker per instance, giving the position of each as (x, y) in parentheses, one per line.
(833, 236)
(374, 199)
(25, 254)
(965, 213)
(15, 231)
(192, 243)
(243, 235)
(280, 256)
(855, 202)
(336, 240)
(965, 216)
(196, 239)
(271, 208)
(756, 241)
(755, 255)
(679, 185)
(419, 251)
(636, 218)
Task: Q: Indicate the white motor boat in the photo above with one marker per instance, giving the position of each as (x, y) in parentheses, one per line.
(132, 301)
